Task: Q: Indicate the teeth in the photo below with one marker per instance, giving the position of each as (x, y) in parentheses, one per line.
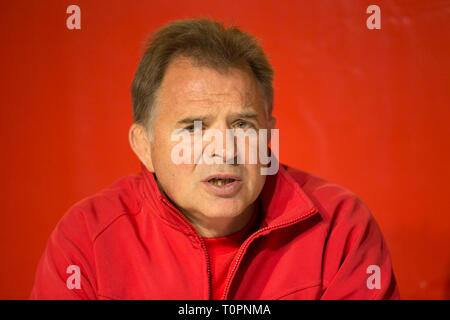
(220, 182)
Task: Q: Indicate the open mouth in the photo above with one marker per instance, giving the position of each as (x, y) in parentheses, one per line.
(221, 181)
(223, 184)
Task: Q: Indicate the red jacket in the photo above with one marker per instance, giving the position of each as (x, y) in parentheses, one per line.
(316, 240)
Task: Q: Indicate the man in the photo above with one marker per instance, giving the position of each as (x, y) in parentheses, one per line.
(220, 229)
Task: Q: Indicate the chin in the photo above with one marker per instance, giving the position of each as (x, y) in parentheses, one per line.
(222, 211)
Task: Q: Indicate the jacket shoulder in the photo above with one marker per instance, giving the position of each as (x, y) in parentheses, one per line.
(354, 242)
(100, 210)
(335, 202)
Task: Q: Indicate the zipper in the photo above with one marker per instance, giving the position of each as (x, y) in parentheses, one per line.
(247, 242)
(203, 244)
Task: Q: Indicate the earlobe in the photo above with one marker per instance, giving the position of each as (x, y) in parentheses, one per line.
(140, 144)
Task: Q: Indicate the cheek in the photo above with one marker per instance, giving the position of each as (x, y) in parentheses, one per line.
(171, 175)
(256, 180)
(162, 154)
(179, 176)
(178, 184)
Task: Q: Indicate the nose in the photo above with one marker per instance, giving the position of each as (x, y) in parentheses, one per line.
(220, 145)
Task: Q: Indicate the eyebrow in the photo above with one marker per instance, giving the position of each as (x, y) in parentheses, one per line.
(190, 120)
(245, 115)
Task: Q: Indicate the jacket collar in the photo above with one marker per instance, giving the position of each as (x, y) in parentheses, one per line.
(282, 201)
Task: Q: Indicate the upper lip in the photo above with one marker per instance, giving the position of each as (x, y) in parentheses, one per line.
(222, 176)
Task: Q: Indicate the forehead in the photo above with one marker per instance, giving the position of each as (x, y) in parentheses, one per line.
(188, 88)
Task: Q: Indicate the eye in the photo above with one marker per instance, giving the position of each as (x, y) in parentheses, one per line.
(243, 124)
(191, 128)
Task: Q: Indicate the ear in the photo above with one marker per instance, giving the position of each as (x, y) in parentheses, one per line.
(140, 143)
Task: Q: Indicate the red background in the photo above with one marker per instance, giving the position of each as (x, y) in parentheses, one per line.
(367, 109)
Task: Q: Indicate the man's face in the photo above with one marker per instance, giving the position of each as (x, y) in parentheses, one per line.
(221, 101)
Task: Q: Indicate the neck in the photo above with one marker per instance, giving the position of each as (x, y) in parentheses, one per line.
(208, 227)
